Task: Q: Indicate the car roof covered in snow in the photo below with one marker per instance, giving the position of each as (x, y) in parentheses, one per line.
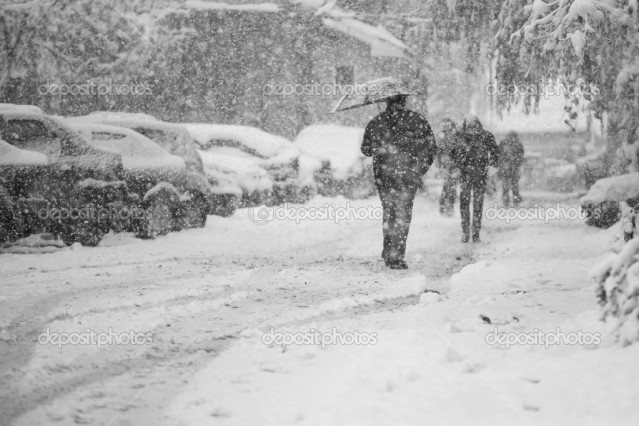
(338, 144)
(111, 115)
(181, 143)
(13, 156)
(28, 115)
(137, 151)
(129, 121)
(263, 143)
(30, 109)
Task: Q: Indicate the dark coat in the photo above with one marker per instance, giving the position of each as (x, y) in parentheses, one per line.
(511, 156)
(403, 148)
(474, 153)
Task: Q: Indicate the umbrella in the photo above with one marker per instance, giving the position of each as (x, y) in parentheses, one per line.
(373, 92)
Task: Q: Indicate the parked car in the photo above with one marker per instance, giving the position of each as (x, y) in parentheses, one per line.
(42, 196)
(157, 181)
(343, 169)
(276, 155)
(216, 196)
(15, 164)
(253, 182)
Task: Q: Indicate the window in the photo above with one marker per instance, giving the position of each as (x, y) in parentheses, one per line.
(165, 139)
(231, 143)
(107, 136)
(31, 135)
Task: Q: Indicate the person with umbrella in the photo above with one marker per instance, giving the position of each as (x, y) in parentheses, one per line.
(403, 148)
(474, 154)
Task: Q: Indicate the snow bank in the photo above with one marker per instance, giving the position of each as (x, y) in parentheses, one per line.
(617, 279)
(12, 156)
(338, 144)
(615, 188)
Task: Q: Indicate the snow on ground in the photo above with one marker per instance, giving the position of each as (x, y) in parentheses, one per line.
(431, 363)
(211, 299)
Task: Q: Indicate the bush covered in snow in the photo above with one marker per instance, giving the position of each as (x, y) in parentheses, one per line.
(617, 279)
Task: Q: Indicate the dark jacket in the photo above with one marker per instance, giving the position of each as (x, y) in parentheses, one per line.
(474, 153)
(511, 156)
(403, 147)
(445, 144)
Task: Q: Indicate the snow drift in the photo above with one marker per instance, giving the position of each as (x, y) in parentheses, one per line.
(617, 279)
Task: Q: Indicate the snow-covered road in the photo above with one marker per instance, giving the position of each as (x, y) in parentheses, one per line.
(203, 299)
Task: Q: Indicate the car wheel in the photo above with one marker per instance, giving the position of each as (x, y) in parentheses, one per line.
(196, 211)
(89, 234)
(159, 219)
(11, 224)
(224, 205)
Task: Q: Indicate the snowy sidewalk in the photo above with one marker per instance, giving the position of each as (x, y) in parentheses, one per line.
(431, 363)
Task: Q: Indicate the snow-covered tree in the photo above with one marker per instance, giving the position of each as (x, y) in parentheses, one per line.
(617, 279)
(592, 41)
(68, 41)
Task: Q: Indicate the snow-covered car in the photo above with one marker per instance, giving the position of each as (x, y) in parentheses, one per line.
(29, 109)
(157, 181)
(253, 183)
(222, 196)
(77, 177)
(16, 165)
(343, 169)
(283, 162)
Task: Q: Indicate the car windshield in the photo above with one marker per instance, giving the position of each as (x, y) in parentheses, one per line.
(31, 135)
(176, 142)
(232, 143)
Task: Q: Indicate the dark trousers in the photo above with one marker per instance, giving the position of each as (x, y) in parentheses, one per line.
(472, 187)
(449, 193)
(509, 183)
(397, 204)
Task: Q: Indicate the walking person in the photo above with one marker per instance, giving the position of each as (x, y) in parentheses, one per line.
(511, 158)
(445, 143)
(473, 155)
(403, 148)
